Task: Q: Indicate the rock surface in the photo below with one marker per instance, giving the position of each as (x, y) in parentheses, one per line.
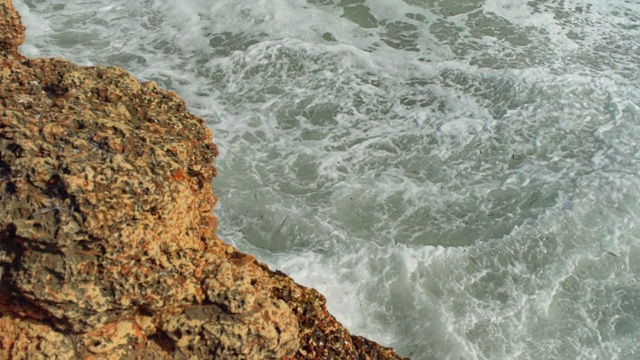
(108, 246)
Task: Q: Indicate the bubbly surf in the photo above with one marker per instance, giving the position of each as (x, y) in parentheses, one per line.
(459, 178)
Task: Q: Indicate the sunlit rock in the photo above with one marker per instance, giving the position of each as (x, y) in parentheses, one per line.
(108, 246)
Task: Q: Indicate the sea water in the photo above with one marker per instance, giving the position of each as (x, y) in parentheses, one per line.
(460, 178)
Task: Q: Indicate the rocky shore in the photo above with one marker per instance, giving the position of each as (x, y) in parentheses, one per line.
(108, 246)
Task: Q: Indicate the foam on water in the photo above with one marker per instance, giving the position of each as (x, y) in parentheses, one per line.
(458, 177)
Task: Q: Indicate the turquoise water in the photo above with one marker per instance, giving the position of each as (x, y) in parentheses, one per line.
(460, 178)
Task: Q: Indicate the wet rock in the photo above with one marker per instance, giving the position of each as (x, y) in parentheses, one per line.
(108, 246)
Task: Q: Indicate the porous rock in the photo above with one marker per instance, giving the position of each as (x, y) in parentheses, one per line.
(108, 246)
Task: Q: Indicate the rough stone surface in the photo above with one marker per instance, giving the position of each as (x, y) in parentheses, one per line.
(108, 246)
(12, 34)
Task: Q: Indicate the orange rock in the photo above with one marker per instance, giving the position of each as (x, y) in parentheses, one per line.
(108, 246)
(12, 34)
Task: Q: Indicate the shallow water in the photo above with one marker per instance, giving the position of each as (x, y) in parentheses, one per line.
(460, 178)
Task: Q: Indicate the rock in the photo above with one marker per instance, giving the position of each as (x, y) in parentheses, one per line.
(12, 34)
(108, 246)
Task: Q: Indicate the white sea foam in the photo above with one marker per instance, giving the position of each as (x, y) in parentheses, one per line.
(459, 178)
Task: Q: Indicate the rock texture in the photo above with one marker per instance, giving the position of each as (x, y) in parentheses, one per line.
(108, 246)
